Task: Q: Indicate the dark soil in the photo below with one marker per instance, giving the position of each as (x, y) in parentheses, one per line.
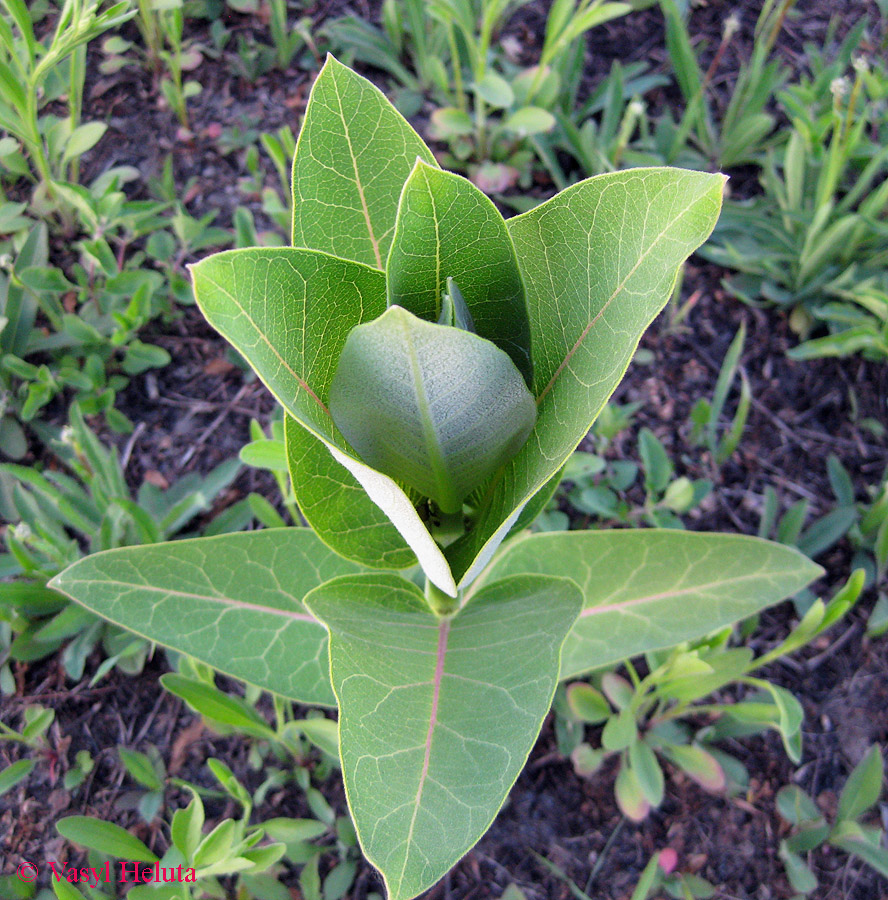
(195, 413)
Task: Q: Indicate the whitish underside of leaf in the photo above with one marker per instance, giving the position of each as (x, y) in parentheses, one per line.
(233, 601)
(650, 589)
(354, 153)
(338, 508)
(437, 716)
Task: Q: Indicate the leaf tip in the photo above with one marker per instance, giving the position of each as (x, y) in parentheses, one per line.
(56, 583)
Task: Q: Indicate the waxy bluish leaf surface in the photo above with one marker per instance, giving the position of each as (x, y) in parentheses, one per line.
(289, 312)
(437, 716)
(233, 601)
(447, 228)
(354, 154)
(434, 406)
(598, 262)
(649, 589)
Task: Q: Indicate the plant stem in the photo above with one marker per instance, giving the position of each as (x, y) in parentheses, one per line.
(441, 604)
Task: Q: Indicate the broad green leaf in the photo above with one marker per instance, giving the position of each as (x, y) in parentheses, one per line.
(233, 601)
(872, 853)
(863, 787)
(323, 733)
(437, 716)
(289, 312)
(700, 764)
(620, 731)
(629, 794)
(598, 263)
(801, 878)
(354, 153)
(435, 406)
(448, 123)
(495, 90)
(141, 768)
(796, 806)
(649, 589)
(447, 228)
(587, 703)
(106, 837)
(338, 508)
(64, 891)
(14, 773)
(208, 701)
(647, 769)
(83, 138)
(186, 827)
(530, 120)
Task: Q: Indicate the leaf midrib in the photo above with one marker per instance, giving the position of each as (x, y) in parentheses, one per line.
(432, 441)
(358, 184)
(228, 602)
(617, 290)
(298, 378)
(441, 653)
(668, 595)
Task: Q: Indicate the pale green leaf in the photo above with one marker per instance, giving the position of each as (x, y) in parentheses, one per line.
(863, 787)
(801, 878)
(185, 830)
(700, 764)
(629, 794)
(83, 138)
(217, 705)
(598, 262)
(14, 773)
(447, 228)
(63, 891)
(437, 716)
(530, 120)
(434, 406)
(871, 853)
(587, 704)
(796, 806)
(353, 156)
(449, 122)
(106, 837)
(646, 768)
(233, 601)
(649, 589)
(495, 90)
(323, 733)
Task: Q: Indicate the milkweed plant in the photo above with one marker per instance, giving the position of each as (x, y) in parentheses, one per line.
(437, 366)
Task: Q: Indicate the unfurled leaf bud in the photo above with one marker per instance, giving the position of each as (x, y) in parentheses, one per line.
(435, 407)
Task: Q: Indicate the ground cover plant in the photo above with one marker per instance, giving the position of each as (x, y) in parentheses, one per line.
(426, 368)
(105, 759)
